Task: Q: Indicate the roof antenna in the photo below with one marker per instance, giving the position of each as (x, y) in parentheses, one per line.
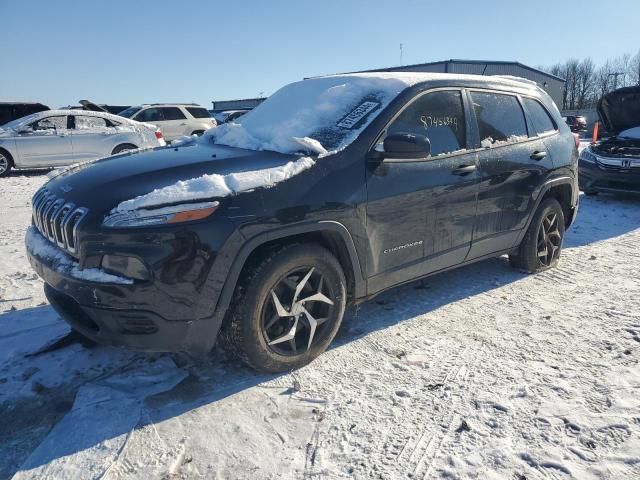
(400, 54)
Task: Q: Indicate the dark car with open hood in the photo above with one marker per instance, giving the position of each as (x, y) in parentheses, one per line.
(613, 165)
(259, 233)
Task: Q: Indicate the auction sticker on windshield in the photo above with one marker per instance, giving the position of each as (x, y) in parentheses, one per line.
(357, 114)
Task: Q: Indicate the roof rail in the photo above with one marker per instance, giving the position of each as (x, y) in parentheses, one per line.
(172, 103)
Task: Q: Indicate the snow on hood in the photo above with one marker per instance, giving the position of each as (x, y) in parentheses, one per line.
(620, 109)
(633, 133)
(214, 185)
(315, 115)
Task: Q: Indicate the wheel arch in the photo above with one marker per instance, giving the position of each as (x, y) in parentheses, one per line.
(123, 144)
(6, 152)
(561, 188)
(330, 234)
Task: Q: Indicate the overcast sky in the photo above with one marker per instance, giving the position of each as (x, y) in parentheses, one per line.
(129, 52)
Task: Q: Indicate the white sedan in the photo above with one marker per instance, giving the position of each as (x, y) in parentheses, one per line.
(55, 138)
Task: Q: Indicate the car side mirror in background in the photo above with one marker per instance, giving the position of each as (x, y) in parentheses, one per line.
(406, 145)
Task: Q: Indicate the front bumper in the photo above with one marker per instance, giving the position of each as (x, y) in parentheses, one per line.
(595, 178)
(124, 314)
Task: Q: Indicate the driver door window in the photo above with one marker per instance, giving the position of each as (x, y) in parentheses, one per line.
(439, 116)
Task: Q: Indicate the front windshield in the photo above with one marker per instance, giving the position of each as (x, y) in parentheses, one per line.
(318, 115)
(129, 112)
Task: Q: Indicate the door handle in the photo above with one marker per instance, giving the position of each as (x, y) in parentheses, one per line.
(464, 170)
(538, 155)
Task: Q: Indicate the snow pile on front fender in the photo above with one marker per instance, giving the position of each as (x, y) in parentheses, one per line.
(215, 186)
(62, 263)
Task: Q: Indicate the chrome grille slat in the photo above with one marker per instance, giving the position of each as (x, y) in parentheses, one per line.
(57, 220)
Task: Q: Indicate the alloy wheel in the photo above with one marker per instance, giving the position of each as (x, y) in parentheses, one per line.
(297, 311)
(549, 239)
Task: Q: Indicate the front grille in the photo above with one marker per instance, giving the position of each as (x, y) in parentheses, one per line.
(618, 163)
(57, 220)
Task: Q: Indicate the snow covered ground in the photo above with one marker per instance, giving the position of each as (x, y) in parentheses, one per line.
(483, 373)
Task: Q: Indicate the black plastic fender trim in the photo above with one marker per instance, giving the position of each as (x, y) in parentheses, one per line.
(255, 242)
(539, 194)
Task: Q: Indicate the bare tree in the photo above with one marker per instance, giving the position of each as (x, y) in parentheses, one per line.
(584, 82)
(634, 70)
(602, 81)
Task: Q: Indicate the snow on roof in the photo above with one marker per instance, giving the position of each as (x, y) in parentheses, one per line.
(324, 114)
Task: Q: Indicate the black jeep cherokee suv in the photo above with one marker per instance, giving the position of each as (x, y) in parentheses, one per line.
(332, 190)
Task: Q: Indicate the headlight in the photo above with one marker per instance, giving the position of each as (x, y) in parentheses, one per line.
(160, 216)
(588, 156)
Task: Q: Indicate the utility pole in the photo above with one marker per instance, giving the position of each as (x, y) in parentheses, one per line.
(400, 54)
(615, 78)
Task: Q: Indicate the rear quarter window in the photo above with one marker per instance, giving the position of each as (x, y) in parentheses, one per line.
(540, 118)
(500, 118)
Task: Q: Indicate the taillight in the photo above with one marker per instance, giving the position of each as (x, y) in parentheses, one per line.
(158, 134)
(576, 138)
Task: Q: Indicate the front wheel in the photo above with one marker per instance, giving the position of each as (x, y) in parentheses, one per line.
(287, 310)
(542, 244)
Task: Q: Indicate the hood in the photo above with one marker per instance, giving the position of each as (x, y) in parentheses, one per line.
(620, 109)
(102, 185)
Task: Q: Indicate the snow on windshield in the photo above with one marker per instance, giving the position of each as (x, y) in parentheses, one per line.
(318, 115)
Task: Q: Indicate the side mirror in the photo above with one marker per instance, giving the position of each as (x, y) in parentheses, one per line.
(406, 145)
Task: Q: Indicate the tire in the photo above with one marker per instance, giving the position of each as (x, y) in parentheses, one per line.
(258, 331)
(6, 163)
(544, 235)
(123, 148)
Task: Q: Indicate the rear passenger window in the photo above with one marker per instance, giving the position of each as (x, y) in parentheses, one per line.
(172, 113)
(439, 116)
(500, 118)
(539, 116)
(86, 122)
(198, 112)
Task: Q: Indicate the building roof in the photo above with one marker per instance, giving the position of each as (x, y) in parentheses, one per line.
(469, 62)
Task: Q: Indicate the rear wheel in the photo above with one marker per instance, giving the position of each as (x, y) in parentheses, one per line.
(6, 163)
(287, 310)
(123, 148)
(542, 244)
